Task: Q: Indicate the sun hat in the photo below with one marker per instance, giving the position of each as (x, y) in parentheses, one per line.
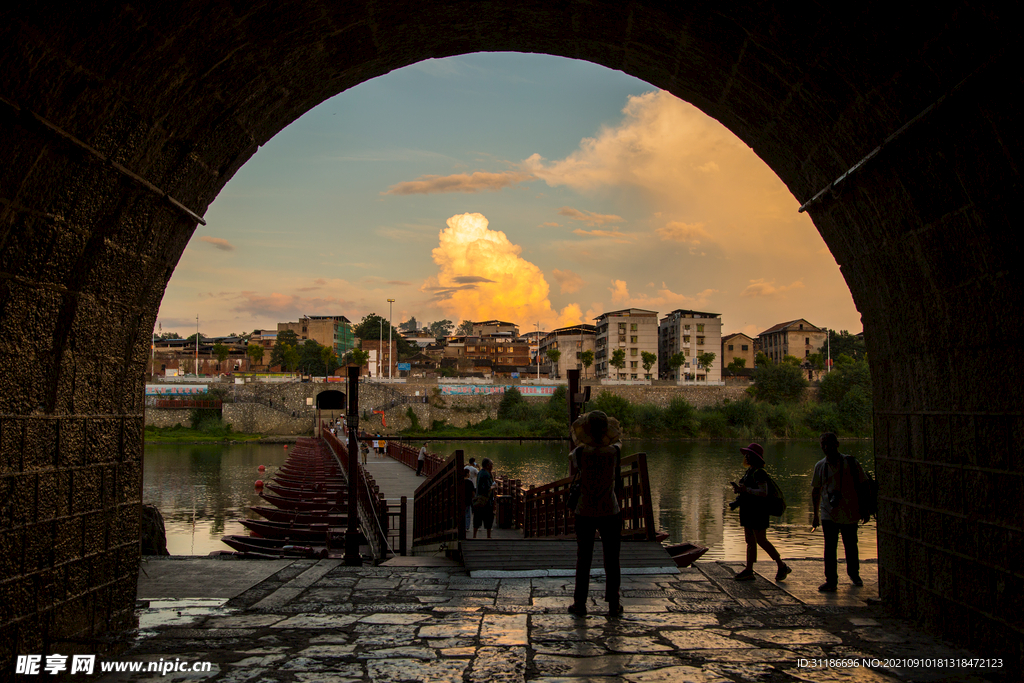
(584, 427)
(754, 453)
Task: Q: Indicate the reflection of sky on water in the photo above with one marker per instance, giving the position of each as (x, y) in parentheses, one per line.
(203, 491)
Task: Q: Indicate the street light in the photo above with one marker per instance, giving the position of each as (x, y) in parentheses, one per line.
(390, 371)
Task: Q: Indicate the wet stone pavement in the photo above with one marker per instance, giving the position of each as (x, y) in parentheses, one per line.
(324, 622)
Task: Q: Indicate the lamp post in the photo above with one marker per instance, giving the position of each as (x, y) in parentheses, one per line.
(380, 347)
(197, 346)
(537, 340)
(390, 371)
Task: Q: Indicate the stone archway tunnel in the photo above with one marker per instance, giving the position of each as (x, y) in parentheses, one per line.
(899, 129)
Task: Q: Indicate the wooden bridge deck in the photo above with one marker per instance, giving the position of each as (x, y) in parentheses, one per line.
(556, 557)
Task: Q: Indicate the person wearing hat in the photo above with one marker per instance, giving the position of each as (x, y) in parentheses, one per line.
(597, 458)
(753, 488)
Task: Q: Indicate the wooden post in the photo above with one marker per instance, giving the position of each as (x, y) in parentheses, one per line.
(352, 558)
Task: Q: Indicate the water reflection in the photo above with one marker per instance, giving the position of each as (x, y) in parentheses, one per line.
(204, 490)
(690, 487)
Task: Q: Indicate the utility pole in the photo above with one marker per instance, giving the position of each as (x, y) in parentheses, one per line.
(390, 359)
(197, 346)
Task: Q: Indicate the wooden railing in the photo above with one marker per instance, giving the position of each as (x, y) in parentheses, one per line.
(439, 508)
(546, 514)
(381, 522)
(409, 456)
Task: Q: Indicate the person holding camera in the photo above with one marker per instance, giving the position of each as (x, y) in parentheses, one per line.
(836, 510)
(753, 489)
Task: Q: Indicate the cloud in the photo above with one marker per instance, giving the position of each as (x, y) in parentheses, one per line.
(470, 279)
(288, 306)
(504, 285)
(677, 231)
(317, 284)
(589, 217)
(768, 289)
(550, 225)
(460, 182)
(568, 281)
(662, 299)
(218, 242)
(616, 235)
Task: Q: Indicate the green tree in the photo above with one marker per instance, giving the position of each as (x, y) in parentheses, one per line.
(409, 325)
(612, 405)
(372, 328)
(706, 359)
(255, 353)
(778, 383)
(844, 377)
(618, 360)
(792, 360)
(357, 357)
(762, 359)
(509, 401)
(844, 342)
(676, 361)
(737, 364)
(553, 356)
(289, 337)
(442, 329)
(648, 360)
(465, 327)
(817, 361)
(587, 359)
(221, 351)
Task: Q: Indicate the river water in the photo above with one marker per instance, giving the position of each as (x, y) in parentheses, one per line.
(203, 490)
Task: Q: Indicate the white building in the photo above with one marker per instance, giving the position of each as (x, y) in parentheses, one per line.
(690, 333)
(633, 330)
(571, 343)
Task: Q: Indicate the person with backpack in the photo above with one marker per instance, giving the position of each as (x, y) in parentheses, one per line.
(755, 489)
(835, 486)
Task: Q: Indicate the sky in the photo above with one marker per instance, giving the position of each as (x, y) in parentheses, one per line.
(528, 188)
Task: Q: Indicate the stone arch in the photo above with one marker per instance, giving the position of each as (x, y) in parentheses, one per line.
(331, 399)
(122, 122)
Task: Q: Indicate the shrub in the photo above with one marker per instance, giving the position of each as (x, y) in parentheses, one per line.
(414, 420)
(612, 405)
(778, 383)
(713, 424)
(680, 417)
(509, 400)
(741, 413)
(646, 419)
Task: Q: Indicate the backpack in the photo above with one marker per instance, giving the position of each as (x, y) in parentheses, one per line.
(776, 500)
(867, 495)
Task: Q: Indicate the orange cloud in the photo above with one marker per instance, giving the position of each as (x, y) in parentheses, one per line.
(218, 242)
(677, 231)
(481, 276)
(768, 289)
(589, 217)
(617, 235)
(568, 281)
(459, 182)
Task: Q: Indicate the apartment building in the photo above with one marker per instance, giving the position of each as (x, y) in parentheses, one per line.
(737, 345)
(690, 333)
(794, 338)
(332, 331)
(383, 357)
(502, 353)
(571, 342)
(494, 328)
(634, 330)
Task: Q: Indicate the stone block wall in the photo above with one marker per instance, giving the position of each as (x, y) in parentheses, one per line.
(256, 418)
(951, 492)
(168, 417)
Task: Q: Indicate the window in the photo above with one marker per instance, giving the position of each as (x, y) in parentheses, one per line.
(633, 363)
(622, 327)
(633, 376)
(700, 341)
(632, 352)
(807, 354)
(730, 347)
(632, 339)
(686, 352)
(686, 327)
(700, 327)
(686, 339)
(807, 341)
(743, 347)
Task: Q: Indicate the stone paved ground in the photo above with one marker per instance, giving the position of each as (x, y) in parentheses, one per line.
(322, 621)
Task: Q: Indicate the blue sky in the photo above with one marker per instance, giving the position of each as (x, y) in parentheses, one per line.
(520, 187)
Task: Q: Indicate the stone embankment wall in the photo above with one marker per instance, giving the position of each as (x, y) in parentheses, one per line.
(267, 408)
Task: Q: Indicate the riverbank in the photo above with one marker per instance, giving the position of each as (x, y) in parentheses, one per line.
(185, 435)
